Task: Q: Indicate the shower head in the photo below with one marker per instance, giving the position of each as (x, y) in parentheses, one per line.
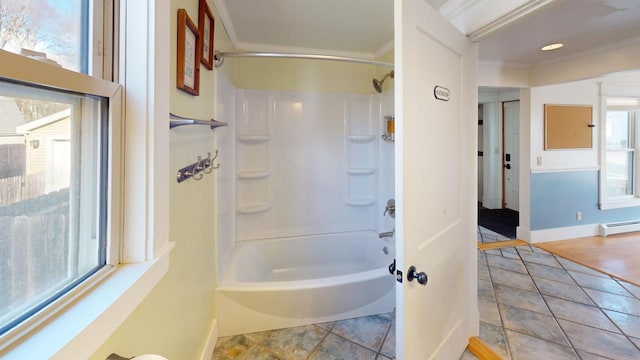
(377, 84)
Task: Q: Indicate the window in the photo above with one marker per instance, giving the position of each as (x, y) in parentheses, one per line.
(620, 152)
(56, 128)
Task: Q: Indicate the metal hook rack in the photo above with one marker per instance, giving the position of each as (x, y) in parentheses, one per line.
(197, 169)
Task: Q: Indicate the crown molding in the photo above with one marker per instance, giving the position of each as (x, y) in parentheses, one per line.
(226, 21)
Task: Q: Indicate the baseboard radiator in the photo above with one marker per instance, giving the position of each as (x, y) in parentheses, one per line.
(619, 227)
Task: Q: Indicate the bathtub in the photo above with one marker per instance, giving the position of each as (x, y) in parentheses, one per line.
(278, 283)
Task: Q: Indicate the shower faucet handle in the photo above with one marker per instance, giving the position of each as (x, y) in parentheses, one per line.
(390, 208)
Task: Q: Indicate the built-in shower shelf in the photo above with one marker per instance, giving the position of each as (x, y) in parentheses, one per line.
(361, 171)
(253, 175)
(254, 208)
(361, 138)
(253, 139)
(360, 202)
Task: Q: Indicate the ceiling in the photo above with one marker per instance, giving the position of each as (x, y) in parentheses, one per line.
(364, 28)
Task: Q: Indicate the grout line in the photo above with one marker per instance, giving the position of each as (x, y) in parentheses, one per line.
(315, 348)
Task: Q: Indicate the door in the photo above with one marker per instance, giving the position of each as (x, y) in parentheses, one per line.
(436, 129)
(511, 127)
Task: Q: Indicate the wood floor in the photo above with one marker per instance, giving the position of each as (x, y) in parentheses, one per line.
(616, 255)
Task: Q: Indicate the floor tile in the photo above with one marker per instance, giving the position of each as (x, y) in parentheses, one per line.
(532, 323)
(599, 283)
(257, 353)
(499, 261)
(382, 357)
(588, 356)
(619, 303)
(485, 290)
(489, 312)
(511, 278)
(483, 272)
(562, 290)
(633, 289)
(538, 250)
(521, 298)
(599, 342)
(636, 341)
(538, 258)
(525, 347)
(510, 253)
(549, 272)
(494, 337)
(493, 252)
(296, 343)
(334, 347)
(327, 325)
(389, 344)
(580, 313)
(482, 258)
(629, 324)
(368, 331)
(232, 347)
(570, 265)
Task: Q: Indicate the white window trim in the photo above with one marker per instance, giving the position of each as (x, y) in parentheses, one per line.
(608, 90)
(139, 202)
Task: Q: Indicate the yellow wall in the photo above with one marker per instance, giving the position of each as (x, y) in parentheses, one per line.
(303, 75)
(174, 320)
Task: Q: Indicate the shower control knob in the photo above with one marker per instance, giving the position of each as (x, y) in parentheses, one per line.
(421, 277)
(392, 267)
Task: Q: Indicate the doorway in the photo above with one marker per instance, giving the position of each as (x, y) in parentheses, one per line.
(498, 163)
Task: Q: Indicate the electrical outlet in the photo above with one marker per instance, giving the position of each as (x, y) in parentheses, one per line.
(539, 160)
(579, 216)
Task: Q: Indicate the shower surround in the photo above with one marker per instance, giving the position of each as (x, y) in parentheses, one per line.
(302, 173)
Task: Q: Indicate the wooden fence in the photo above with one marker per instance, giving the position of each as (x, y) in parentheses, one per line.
(34, 255)
(18, 188)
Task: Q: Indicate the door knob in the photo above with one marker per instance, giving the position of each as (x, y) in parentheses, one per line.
(421, 277)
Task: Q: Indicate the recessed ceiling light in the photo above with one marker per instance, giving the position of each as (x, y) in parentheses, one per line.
(552, 47)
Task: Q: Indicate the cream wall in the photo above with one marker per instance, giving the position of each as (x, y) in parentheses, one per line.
(175, 319)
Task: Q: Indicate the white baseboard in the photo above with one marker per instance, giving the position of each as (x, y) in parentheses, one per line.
(564, 233)
(212, 338)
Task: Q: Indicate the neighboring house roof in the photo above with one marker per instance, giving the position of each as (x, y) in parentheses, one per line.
(47, 120)
(11, 116)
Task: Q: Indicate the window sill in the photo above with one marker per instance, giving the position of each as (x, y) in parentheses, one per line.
(78, 331)
(628, 202)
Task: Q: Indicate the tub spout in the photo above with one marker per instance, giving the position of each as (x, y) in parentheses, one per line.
(386, 234)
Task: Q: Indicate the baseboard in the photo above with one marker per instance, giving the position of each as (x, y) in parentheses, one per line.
(481, 350)
(563, 233)
(212, 338)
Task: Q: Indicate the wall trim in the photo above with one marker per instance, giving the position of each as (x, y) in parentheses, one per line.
(212, 338)
(563, 233)
(544, 171)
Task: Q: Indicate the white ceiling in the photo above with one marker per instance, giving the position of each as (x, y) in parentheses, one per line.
(364, 28)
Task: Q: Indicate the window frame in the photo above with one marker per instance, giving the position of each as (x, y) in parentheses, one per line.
(139, 196)
(609, 91)
(18, 69)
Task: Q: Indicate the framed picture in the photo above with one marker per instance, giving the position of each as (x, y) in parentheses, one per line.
(188, 64)
(206, 26)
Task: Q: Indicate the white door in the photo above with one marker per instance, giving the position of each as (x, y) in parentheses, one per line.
(511, 114)
(435, 183)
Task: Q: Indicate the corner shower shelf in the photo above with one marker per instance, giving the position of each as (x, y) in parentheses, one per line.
(361, 171)
(253, 175)
(360, 202)
(361, 138)
(253, 139)
(254, 208)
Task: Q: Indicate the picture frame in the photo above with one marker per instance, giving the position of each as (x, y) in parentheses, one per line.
(188, 49)
(206, 25)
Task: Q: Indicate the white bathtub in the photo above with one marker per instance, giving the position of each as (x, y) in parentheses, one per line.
(279, 283)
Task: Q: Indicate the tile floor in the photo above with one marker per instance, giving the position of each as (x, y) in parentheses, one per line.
(533, 305)
(371, 337)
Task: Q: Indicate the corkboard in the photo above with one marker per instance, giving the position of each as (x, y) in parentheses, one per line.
(568, 127)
